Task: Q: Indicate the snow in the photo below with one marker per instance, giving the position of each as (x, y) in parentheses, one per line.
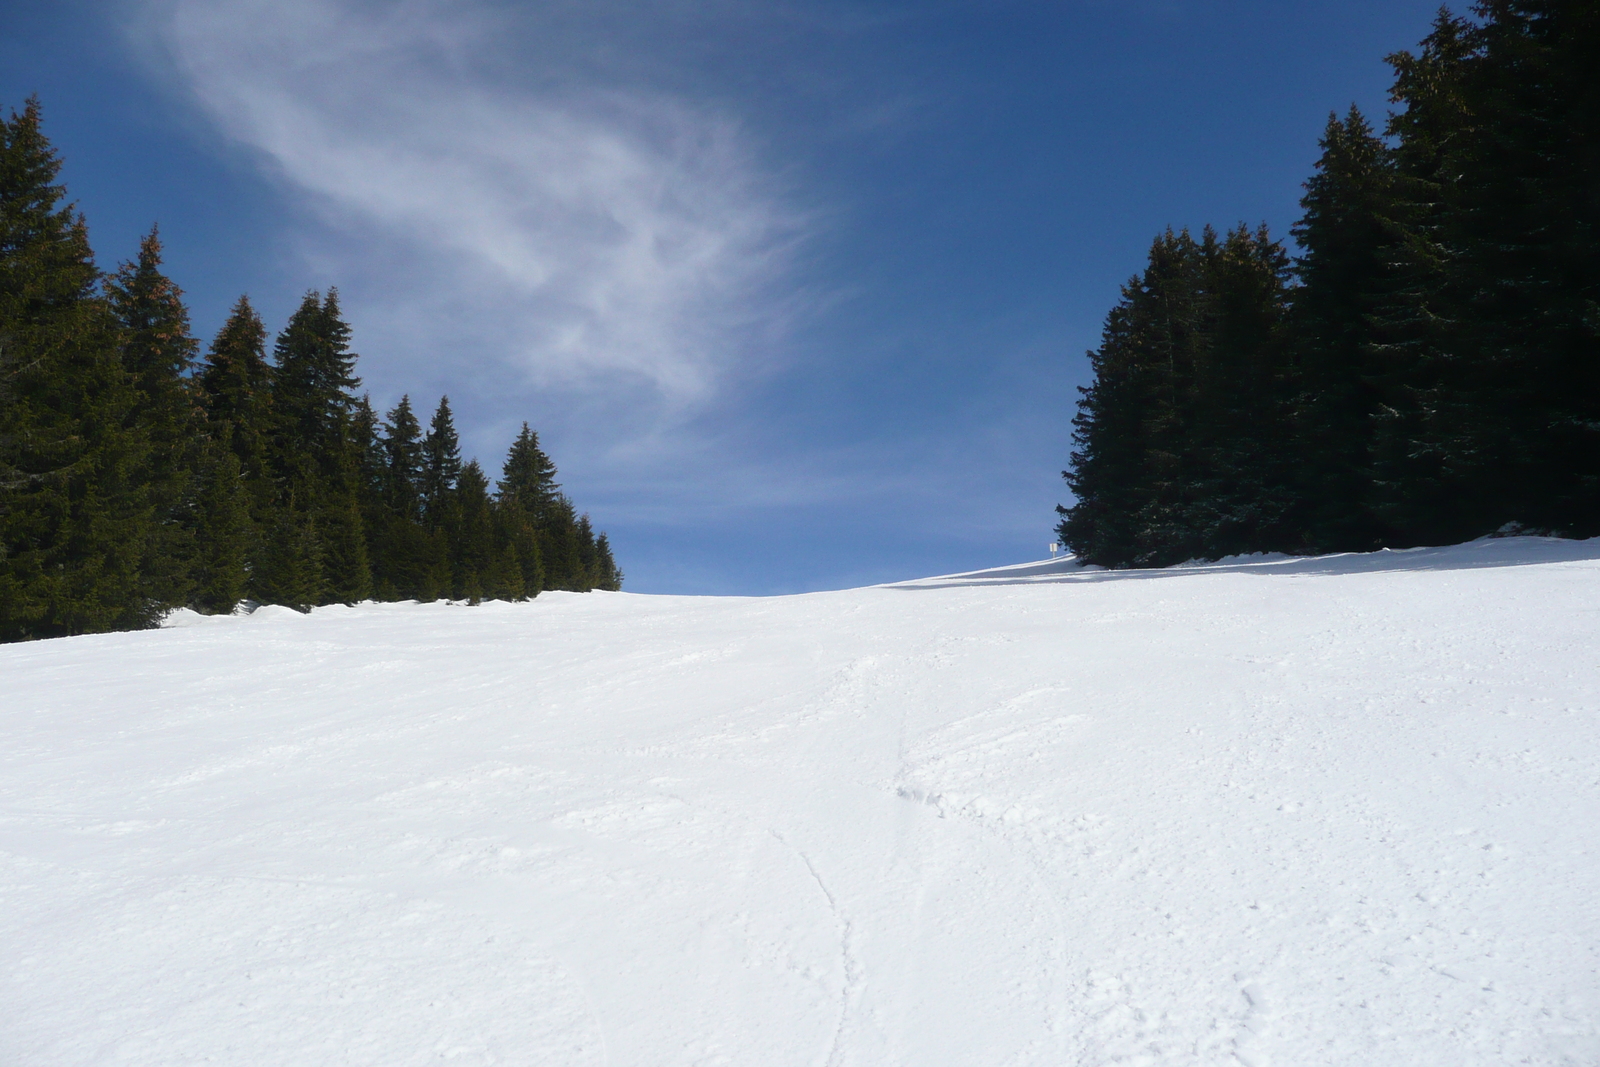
(1264, 811)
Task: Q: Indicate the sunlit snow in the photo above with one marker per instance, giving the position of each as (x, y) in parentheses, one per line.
(1266, 811)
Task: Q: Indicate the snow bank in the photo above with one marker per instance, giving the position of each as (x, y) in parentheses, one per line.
(1261, 811)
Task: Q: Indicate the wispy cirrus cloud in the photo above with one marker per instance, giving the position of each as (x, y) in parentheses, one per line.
(587, 229)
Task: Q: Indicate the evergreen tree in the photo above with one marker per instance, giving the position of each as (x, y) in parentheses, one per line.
(158, 354)
(588, 557)
(132, 480)
(441, 465)
(559, 548)
(291, 568)
(1349, 237)
(610, 577)
(74, 519)
(1240, 495)
(1426, 450)
(316, 455)
(340, 525)
(473, 550)
(1128, 470)
(226, 537)
(403, 461)
(371, 460)
(236, 392)
(409, 560)
(528, 480)
(522, 559)
(314, 383)
(1181, 438)
(1523, 268)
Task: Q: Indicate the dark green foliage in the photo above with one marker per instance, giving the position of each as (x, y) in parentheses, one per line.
(608, 576)
(402, 461)
(1350, 240)
(1180, 437)
(133, 481)
(1437, 374)
(158, 355)
(319, 455)
(235, 387)
(528, 481)
(226, 537)
(473, 547)
(290, 572)
(441, 466)
(75, 516)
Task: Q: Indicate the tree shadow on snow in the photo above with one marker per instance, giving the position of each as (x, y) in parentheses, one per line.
(1486, 552)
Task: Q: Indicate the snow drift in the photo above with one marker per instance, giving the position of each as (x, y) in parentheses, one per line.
(1265, 811)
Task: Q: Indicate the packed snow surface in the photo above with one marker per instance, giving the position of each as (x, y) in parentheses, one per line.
(1265, 811)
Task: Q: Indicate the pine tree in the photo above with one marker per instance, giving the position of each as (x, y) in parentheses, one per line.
(236, 392)
(1130, 468)
(1181, 437)
(408, 560)
(1349, 237)
(346, 565)
(1425, 449)
(528, 480)
(1240, 496)
(291, 568)
(403, 461)
(473, 549)
(74, 521)
(588, 557)
(1523, 267)
(523, 562)
(316, 455)
(226, 538)
(158, 354)
(441, 465)
(610, 577)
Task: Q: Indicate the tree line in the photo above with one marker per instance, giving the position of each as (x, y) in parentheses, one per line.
(1425, 370)
(138, 474)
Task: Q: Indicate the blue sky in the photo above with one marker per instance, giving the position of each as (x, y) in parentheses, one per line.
(797, 294)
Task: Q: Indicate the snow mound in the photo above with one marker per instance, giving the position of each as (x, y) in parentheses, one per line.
(1266, 810)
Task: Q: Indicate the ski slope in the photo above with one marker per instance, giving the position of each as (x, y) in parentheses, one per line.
(1342, 811)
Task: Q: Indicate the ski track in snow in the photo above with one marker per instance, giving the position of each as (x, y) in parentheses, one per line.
(1272, 812)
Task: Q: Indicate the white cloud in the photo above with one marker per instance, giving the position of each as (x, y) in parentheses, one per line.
(586, 231)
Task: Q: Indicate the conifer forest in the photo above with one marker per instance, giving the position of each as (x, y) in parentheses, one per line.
(139, 475)
(1424, 370)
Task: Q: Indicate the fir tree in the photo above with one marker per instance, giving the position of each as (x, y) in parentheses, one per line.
(74, 518)
(403, 461)
(1523, 267)
(235, 387)
(1240, 495)
(610, 576)
(291, 568)
(528, 479)
(441, 465)
(559, 548)
(473, 548)
(1181, 438)
(1128, 468)
(1349, 236)
(523, 560)
(227, 540)
(158, 353)
(1425, 448)
(318, 460)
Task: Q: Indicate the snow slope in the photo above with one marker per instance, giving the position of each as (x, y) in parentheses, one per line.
(1293, 812)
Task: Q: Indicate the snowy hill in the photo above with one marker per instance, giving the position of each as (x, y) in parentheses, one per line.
(1294, 812)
